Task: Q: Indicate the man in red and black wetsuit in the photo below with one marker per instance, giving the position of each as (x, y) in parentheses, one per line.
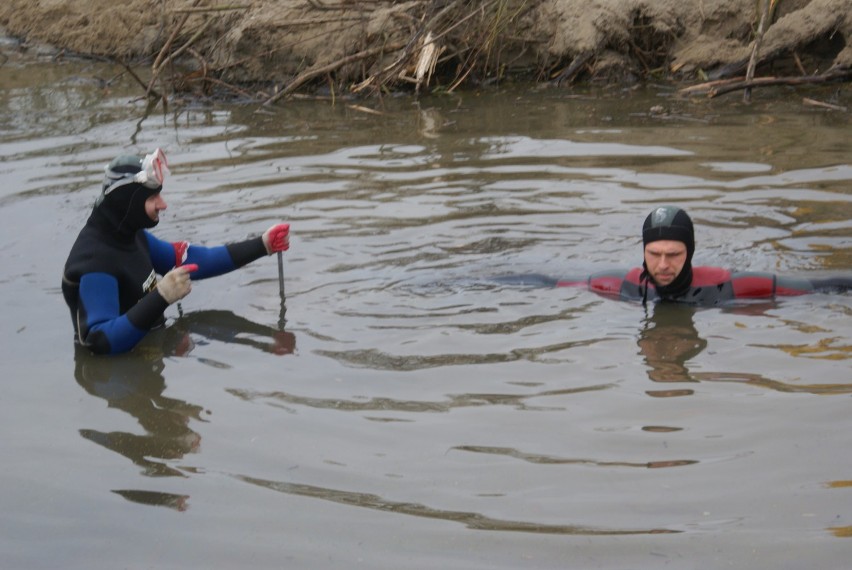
(667, 273)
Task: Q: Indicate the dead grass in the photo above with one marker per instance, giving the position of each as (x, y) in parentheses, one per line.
(269, 49)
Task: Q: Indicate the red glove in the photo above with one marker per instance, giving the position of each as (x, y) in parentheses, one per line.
(277, 238)
(181, 249)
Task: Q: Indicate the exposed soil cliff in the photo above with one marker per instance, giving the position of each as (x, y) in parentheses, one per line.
(369, 46)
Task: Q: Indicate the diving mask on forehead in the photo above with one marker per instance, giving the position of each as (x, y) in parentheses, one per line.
(149, 171)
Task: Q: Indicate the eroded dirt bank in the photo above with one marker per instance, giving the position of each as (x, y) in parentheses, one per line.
(364, 46)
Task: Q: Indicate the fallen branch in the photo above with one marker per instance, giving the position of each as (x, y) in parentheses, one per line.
(823, 105)
(722, 86)
(758, 40)
(397, 68)
(189, 42)
(155, 68)
(314, 73)
(577, 65)
(363, 109)
(768, 81)
(210, 9)
(138, 80)
(316, 21)
(707, 86)
(426, 62)
(798, 62)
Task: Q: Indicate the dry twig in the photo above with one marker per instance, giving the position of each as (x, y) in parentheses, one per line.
(758, 39)
(158, 63)
(313, 73)
(766, 81)
(823, 105)
(210, 9)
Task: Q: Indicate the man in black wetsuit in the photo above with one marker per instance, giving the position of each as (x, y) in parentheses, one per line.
(667, 274)
(111, 282)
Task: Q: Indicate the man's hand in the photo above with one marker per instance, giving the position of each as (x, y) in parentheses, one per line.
(175, 285)
(277, 238)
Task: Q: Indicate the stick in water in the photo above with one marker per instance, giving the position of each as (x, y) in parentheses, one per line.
(281, 319)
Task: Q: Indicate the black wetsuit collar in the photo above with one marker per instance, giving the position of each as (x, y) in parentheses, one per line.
(122, 213)
(673, 290)
(101, 219)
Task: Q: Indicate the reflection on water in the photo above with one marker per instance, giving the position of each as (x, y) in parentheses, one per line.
(134, 383)
(550, 460)
(758, 380)
(669, 340)
(376, 359)
(202, 327)
(155, 498)
(474, 521)
(517, 401)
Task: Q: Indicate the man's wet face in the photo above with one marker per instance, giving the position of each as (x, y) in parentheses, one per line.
(154, 205)
(665, 260)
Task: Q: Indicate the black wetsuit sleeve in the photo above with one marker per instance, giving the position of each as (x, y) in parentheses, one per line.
(832, 284)
(148, 311)
(244, 252)
(526, 280)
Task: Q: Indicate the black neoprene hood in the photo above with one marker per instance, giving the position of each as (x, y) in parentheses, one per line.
(669, 223)
(122, 199)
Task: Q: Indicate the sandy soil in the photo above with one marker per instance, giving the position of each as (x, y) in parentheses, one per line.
(368, 45)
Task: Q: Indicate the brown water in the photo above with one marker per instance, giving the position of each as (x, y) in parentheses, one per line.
(414, 413)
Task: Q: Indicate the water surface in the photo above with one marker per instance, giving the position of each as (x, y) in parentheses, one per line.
(412, 411)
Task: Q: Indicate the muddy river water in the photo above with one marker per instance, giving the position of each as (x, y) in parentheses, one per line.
(402, 409)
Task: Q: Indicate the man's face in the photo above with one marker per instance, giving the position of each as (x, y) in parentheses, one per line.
(154, 205)
(664, 260)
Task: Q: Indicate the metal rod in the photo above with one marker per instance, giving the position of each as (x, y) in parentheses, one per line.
(282, 321)
(281, 274)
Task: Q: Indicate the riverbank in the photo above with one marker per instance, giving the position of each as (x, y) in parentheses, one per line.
(269, 49)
